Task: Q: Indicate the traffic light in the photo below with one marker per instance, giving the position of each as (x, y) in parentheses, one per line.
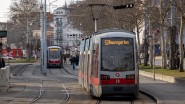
(128, 5)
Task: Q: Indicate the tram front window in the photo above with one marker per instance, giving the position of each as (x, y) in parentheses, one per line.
(117, 54)
(54, 55)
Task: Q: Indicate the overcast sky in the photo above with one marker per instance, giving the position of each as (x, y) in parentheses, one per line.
(4, 7)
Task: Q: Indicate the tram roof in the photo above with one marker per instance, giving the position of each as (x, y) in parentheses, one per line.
(107, 31)
(112, 30)
(54, 46)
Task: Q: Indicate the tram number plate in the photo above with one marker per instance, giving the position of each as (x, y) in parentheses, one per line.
(118, 81)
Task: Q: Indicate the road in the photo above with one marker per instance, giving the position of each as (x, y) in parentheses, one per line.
(59, 86)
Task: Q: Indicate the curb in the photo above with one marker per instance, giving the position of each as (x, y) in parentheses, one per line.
(165, 78)
(155, 98)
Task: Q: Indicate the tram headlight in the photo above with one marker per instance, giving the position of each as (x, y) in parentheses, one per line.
(130, 77)
(105, 77)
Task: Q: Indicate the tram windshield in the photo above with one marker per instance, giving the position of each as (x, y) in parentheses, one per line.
(54, 53)
(117, 54)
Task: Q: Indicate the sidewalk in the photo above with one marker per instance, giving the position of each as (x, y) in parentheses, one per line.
(163, 92)
(167, 90)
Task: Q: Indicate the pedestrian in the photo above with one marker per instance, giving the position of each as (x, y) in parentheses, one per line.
(2, 63)
(77, 59)
(65, 59)
(73, 61)
(70, 59)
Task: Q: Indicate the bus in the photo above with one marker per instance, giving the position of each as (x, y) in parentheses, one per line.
(54, 57)
(108, 64)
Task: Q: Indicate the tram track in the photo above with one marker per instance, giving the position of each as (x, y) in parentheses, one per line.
(67, 71)
(44, 85)
(18, 70)
(40, 95)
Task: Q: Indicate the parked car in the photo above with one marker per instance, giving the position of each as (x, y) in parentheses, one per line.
(8, 57)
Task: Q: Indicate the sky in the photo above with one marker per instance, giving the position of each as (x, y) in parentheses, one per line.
(4, 7)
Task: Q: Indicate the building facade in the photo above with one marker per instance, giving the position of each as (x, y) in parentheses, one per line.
(64, 34)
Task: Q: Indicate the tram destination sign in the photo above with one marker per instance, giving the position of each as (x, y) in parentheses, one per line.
(53, 49)
(116, 42)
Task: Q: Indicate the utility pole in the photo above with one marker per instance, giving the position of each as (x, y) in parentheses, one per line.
(95, 18)
(43, 41)
(42, 33)
(95, 24)
(27, 40)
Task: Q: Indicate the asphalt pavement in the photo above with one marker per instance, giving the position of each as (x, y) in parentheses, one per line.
(163, 92)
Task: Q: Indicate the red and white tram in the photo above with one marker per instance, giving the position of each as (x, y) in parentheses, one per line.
(54, 56)
(108, 64)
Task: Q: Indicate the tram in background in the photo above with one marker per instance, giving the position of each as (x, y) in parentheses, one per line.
(108, 64)
(54, 57)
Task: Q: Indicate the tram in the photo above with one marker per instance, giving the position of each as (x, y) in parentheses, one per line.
(54, 57)
(108, 64)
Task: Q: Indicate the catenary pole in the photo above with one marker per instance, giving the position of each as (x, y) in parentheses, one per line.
(42, 33)
(43, 39)
(44, 42)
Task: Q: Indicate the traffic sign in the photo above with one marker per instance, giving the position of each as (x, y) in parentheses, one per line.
(128, 5)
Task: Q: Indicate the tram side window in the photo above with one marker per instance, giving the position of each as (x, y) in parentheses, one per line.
(87, 45)
(95, 60)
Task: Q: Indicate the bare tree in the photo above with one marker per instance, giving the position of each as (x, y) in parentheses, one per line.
(23, 13)
(107, 16)
(180, 6)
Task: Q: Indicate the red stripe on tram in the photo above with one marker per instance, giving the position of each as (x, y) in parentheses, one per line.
(117, 81)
